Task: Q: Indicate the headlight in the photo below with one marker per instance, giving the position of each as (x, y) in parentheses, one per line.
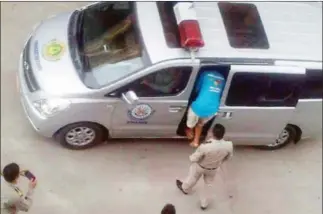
(49, 107)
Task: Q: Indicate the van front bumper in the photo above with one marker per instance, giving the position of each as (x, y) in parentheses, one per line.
(46, 127)
(39, 124)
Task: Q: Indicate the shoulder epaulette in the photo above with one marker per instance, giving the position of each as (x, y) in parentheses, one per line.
(17, 190)
(207, 142)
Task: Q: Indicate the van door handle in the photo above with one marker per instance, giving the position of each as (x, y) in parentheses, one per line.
(175, 109)
(227, 115)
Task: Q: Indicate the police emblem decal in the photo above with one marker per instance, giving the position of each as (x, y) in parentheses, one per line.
(140, 113)
(53, 50)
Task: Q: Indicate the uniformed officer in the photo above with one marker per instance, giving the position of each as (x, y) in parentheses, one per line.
(205, 160)
(13, 199)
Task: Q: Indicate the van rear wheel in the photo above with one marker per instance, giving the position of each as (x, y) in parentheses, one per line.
(287, 136)
(80, 135)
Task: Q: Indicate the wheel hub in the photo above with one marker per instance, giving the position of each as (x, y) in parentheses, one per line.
(80, 136)
(282, 138)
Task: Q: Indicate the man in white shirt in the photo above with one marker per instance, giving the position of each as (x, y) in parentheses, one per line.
(207, 158)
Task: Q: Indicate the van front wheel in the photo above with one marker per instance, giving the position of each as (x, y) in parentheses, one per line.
(80, 135)
(287, 136)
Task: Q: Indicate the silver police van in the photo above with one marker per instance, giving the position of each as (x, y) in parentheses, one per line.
(128, 70)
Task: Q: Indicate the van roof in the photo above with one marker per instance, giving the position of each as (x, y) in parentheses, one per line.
(293, 30)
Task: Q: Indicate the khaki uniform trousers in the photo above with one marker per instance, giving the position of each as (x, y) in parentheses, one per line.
(195, 173)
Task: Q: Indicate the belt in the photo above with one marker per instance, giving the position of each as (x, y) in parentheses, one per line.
(207, 168)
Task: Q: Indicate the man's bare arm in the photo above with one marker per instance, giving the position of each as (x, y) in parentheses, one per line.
(197, 155)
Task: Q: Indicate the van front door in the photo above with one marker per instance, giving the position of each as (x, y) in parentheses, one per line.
(163, 97)
(258, 102)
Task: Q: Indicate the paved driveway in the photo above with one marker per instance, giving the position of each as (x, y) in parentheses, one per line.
(138, 177)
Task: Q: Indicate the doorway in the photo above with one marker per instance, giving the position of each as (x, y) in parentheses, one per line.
(224, 70)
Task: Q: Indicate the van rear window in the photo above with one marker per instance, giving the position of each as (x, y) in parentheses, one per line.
(168, 20)
(243, 25)
(313, 87)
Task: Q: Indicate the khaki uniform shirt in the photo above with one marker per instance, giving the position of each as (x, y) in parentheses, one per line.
(212, 153)
(13, 199)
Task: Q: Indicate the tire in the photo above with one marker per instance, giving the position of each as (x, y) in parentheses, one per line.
(288, 135)
(79, 136)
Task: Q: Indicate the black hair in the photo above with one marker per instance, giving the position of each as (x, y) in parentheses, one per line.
(11, 172)
(168, 209)
(218, 131)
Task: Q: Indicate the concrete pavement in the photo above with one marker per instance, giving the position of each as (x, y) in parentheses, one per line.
(139, 177)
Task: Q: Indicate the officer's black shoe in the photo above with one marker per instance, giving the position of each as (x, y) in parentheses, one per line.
(203, 208)
(179, 185)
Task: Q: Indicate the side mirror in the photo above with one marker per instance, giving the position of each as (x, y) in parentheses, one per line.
(130, 97)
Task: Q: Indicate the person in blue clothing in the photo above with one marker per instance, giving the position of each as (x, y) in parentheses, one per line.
(209, 88)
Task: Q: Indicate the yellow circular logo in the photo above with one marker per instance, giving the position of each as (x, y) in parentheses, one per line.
(53, 51)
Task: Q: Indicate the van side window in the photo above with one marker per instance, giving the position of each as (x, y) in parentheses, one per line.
(264, 89)
(166, 82)
(313, 87)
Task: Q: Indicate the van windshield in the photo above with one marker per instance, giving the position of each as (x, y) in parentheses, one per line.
(108, 43)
